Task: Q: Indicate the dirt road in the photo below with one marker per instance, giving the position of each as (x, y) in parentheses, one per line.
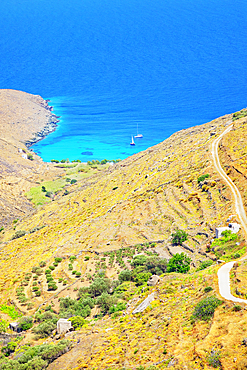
(224, 271)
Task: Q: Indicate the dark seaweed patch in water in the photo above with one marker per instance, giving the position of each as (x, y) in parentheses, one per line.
(87, 153)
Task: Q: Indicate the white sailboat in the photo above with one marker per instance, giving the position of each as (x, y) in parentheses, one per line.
(132, 142)
(138, 135)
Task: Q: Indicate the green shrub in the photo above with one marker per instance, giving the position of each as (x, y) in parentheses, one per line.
(87, 258)
(204, 310)
(78, 274)
(70, 267)
(139, 260)
(237, 307)
(204, 265)
(105, 301)
(52, 285)
(42, 263)
(98, 286)
(26, 322)
(78, 321)
(10, 348)
(52, 268)
(140, 278)
(43, 189)
(72, 258)
(179, 263)
(120, 306)
(202, 178)
(179, 237)
(214, 359)
(72, 307)
(239, 114)
(58, 259)
(18, 234)
(124, 276)
(82, 292)
(208, 289)
(47, 323)
(73, 181)
(39, 271)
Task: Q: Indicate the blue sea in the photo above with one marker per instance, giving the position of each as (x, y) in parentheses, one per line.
(109, 66)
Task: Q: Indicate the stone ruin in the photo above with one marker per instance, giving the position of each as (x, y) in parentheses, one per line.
(63, 326)
(144, 304)
(153, 280)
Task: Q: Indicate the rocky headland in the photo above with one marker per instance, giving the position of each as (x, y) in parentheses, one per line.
(23, 117)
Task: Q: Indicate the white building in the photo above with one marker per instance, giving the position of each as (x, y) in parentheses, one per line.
(233, 227)
(63, 326)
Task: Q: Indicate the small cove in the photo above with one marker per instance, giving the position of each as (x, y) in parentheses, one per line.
(107, 65)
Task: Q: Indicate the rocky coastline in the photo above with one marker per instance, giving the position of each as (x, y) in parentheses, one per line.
(49, 127)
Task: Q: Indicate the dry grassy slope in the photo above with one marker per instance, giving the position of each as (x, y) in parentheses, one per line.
(133, 340)
(21, 116)
(233, 155)
(145, 197)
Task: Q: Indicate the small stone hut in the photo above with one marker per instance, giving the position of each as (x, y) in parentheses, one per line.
(15, 327)
(153, 280)
(63, 326)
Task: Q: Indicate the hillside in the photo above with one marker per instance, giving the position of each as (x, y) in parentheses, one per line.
(22, 117)
(97, 227)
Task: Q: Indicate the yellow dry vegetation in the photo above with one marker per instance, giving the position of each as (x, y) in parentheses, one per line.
(141, 199)
(163, 332)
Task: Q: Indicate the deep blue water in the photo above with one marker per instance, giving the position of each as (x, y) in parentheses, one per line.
(107, 65)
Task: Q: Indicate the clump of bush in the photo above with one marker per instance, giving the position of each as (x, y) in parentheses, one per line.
(78, 321)
(179, 237)
(204, 310)
(26, 322)
(18, 234)
(208, 289)
(37, 357)
(204, 265)
(180, 262)
(240, 114)
(72, 259)
(202, 178)
(58, 259)
(214, 359)
(47, 323)
(237, 308)
(72, 307)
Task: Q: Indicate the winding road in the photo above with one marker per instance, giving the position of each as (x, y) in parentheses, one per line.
(224, 271)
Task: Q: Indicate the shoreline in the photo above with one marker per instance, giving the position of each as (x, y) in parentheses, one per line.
(50, 127)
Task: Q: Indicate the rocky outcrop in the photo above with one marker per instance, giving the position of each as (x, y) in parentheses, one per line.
(50, 127)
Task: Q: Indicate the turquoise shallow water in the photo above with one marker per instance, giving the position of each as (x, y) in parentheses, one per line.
(107, 65)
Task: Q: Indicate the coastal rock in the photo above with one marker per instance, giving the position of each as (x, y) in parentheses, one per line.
(50, 127)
